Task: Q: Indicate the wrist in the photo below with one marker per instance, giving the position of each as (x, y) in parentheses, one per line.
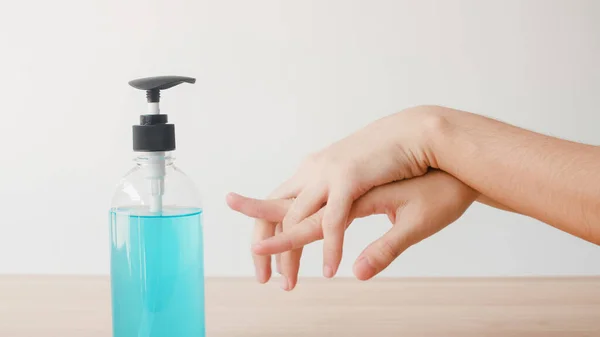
(438, 134)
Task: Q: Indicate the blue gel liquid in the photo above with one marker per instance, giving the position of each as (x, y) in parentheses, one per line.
(157, 273)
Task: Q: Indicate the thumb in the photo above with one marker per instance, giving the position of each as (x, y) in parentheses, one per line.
(379, 254)
(268, 210)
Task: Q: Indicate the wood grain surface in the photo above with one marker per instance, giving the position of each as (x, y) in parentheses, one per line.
(76, 306)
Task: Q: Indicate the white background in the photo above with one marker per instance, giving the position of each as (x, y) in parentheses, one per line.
(276, 80)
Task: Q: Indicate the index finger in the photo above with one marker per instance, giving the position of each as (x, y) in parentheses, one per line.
(269, 210)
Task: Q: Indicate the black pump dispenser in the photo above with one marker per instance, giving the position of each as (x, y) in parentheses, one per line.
(154, 134)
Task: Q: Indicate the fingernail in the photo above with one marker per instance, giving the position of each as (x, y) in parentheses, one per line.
(285, 284)
(327, 271)
(364, 265)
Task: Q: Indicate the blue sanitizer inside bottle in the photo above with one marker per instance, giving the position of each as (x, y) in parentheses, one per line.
(156, 235)
(157, 270)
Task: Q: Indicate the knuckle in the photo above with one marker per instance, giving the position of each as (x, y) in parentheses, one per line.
(333, 246)
(333, 249)
(289, 242)
(260, 213)
(293, 217)
(337, 167)
(313, 222)
(387, 250)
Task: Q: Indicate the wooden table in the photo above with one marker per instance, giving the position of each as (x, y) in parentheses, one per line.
(63, 306)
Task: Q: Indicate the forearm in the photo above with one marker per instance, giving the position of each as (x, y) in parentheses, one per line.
(553, 180)
(493, 203)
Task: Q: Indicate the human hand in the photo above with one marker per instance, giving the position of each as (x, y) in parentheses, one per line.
(390, 149)
(417, 208)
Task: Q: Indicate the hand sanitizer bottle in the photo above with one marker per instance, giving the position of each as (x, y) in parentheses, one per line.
(156, 243)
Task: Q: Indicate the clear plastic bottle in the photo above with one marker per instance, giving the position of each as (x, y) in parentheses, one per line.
(156, 246)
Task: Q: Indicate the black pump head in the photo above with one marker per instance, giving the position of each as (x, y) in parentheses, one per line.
(153, 85)
(154, 134)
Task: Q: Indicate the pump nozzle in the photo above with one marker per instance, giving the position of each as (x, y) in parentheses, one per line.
(153, 85)
(154, 135)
